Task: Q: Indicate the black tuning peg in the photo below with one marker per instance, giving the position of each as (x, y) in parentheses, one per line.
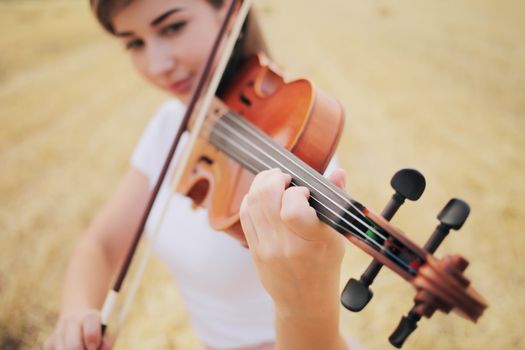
(408, 184)
(452, 216)
(406, 326)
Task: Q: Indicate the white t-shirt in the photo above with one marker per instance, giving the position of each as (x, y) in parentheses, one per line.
(227, 305)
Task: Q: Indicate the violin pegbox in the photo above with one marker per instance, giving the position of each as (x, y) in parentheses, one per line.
(408, 184)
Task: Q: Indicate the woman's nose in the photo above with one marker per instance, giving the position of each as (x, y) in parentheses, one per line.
(160, 59)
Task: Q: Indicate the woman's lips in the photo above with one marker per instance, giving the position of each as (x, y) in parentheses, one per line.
(182, 86)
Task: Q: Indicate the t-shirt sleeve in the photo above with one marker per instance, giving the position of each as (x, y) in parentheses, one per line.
(154, 144)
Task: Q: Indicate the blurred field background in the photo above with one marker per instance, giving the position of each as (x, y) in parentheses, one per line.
(436, 85)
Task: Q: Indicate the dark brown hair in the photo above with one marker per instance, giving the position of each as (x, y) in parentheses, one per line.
(105, 9)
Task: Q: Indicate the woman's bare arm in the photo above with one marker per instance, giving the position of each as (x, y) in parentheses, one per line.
(94, 262)
(298, 259)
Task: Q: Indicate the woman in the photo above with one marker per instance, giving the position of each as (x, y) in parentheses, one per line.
(295, 257)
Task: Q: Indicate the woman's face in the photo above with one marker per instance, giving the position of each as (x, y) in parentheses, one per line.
(169, 40)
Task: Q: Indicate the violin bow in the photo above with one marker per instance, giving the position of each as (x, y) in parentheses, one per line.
(232, 23)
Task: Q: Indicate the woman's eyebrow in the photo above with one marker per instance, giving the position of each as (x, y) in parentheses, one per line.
(162, 17)
(124, 34)
(153, 23)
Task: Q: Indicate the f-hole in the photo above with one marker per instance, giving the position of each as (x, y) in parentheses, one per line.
(206, 160)
(245, 100)
(199, 192)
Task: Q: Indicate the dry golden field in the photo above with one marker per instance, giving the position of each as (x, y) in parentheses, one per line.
(436, 85)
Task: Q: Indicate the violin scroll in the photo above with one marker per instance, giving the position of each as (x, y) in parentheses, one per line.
(455, 294)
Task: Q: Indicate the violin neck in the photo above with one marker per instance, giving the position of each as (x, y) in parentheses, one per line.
(257, 152)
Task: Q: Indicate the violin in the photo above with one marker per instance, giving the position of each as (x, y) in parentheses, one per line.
(263, 121)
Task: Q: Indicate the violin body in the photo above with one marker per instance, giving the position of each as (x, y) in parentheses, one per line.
(295, 114)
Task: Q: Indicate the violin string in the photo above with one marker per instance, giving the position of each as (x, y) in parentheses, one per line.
(291, 172)
(365, 236)
(316, 176)
(267, 167)
(264, 138)
(254, 170)
(255, 132)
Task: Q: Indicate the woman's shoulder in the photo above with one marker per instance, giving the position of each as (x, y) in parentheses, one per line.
(169, 113)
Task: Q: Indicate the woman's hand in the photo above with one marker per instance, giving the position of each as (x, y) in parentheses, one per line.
(77, 330)
(93, 263)
(298, 257)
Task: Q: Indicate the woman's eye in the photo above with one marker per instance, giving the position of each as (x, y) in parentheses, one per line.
(134, 44)
(174, 27)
